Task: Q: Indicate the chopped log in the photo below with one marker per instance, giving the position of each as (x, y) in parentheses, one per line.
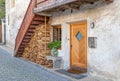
(37, 49)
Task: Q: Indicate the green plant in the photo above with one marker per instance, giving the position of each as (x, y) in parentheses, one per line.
(2, 9)
(54, 44)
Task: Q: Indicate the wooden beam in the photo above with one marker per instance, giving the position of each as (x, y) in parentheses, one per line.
(108, 1)
(44, 14)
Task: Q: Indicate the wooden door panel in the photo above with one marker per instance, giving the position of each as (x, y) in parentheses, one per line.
(79, 46)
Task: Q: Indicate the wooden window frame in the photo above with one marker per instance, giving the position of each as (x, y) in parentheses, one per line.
(59, 37)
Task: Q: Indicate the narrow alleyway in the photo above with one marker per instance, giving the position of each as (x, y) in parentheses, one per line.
(14, 69)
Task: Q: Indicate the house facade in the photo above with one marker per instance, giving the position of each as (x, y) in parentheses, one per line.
(104, 58)
(88, 30)
(15, 11)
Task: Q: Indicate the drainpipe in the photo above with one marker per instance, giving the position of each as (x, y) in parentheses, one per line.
(3, 31)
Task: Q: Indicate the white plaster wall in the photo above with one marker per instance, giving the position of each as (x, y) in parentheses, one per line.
(16, 15)
(105, 59)
(65, 45)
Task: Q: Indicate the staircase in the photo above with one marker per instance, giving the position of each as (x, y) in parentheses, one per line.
(26, 31)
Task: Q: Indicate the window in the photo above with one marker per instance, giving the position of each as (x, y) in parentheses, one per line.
(57, 33)
(13, 3)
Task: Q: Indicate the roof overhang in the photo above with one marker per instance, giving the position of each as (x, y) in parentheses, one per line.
(63, 5)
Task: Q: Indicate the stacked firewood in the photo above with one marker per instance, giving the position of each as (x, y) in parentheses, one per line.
(37, 49)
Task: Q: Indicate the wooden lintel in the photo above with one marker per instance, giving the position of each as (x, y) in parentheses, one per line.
(44, 14)
(108, 1)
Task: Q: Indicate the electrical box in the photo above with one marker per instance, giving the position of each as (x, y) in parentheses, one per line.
(92, 42)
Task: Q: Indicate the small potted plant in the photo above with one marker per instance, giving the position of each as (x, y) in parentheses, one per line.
(54, 46)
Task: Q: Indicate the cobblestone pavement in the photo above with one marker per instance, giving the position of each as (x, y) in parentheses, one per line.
(14, 69)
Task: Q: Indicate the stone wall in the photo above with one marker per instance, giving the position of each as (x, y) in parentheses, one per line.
(105, 59)
(14, 17)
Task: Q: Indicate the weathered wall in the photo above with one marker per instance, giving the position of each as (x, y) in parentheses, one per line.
(105, 59)
(14, 17)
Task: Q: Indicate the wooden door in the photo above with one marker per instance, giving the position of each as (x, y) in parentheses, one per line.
(78, 57)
